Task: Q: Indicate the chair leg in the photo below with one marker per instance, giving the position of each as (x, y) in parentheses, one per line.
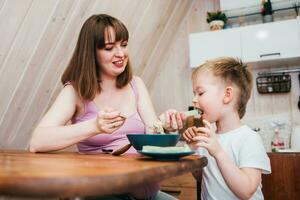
(198, 190)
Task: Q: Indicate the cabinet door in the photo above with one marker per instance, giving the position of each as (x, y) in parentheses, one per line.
(270, 41)
(284, 181)
(207, 45)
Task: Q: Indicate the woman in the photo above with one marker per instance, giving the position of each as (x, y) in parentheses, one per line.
(101, 98)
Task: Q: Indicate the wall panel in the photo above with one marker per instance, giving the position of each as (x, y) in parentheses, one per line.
(149, 32)
(50, 79)
(21, 53)
(2, 2)
(35, 70)
(12, 14)
(158, 57)
(39, 38)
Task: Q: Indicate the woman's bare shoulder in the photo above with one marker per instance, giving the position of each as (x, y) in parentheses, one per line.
(138, 80)
(69, 90)
(69, 93)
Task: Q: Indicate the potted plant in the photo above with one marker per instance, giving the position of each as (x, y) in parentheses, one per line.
(216, 20)
(267, 11)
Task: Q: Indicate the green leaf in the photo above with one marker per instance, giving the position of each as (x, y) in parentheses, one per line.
(211, 16)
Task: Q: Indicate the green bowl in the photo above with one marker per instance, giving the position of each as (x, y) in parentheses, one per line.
(161, 140)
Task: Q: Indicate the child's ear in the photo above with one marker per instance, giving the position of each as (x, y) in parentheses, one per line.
(228, 95)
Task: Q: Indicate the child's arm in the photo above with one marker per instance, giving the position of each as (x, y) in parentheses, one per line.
(189, 134)
(242, 182)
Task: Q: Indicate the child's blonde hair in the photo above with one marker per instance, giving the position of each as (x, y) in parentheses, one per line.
(231, 71)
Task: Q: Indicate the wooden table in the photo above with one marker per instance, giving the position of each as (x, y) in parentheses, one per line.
(73, 174)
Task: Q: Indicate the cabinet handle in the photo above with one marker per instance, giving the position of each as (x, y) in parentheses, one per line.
(270, 54)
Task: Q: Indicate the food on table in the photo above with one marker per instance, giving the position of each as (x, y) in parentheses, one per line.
(158, 127)
(175, 149)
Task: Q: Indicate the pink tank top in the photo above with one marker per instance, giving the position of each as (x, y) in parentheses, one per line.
(115, 140)
(132, 125)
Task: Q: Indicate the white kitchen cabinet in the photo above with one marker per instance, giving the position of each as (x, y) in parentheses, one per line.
(263, 42)
(208, 45)
(238, 4)
(270, 41)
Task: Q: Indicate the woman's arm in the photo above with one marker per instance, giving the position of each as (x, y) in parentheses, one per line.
(171, 119)
(145, 106)
(52, 133)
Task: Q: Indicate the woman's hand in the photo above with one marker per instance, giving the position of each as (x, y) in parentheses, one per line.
(109, 120)
(207, 138)
(172, 120)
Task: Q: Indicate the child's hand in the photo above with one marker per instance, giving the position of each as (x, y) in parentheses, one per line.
(109, 120)
(172, 120)
(206, 138)
(189, 134)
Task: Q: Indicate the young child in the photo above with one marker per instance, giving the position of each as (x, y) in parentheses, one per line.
(236, 155)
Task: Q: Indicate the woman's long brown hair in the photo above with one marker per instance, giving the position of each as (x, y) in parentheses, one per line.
(83, 70)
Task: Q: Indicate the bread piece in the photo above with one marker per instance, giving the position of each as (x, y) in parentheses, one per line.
(155, 149)
(157, 127)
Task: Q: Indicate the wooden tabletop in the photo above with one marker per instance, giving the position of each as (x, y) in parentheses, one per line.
(73, 174)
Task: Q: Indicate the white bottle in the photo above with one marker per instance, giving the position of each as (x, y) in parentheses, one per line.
(277, 143)
(295, 138)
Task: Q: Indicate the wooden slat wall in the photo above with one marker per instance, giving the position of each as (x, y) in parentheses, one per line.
(170, 85)
(38, 37)
(1, 4)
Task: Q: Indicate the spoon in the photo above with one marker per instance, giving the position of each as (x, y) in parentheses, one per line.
(121, 150)
(107, 150)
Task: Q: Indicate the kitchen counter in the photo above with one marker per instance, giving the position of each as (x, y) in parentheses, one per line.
(284, 182)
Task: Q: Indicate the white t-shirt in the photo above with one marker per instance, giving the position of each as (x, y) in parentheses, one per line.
(244, 146)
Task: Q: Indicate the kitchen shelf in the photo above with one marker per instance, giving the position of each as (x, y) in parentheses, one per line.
(273, 83)
(259, 13)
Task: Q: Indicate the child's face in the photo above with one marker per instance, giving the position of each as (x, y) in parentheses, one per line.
(208, 95)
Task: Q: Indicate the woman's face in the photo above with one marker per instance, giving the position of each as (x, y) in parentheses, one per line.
(113, 58)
